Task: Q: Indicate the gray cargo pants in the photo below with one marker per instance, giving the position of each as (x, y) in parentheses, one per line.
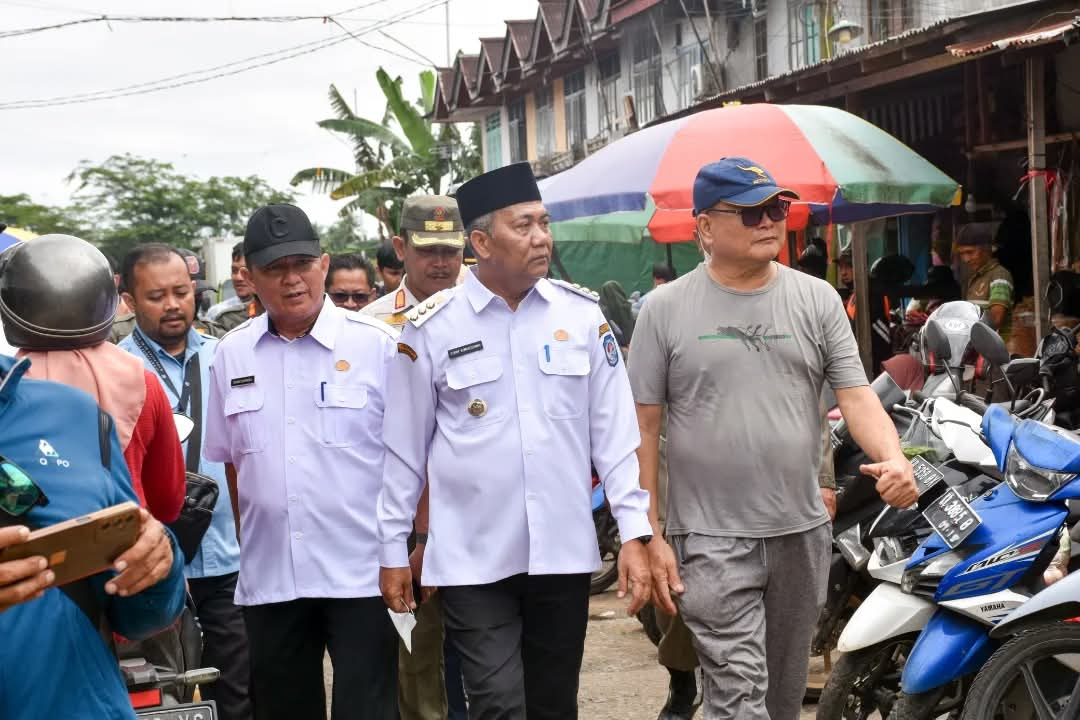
(751, 605)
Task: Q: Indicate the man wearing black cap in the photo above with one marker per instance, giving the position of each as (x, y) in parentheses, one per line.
(741, 376)
(504, 390)
(990, 286)
(296, 411)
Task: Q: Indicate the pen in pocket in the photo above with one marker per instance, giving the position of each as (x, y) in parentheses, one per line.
(547, 353)
(322, 391)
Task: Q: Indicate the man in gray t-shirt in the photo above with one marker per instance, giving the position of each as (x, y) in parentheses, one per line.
(739, 350)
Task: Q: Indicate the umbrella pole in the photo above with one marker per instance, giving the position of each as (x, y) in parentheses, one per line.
(861, 266)
(558, 263)
(670, 258)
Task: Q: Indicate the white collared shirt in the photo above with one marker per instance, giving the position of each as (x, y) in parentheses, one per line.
(302, 423)
(504, 411)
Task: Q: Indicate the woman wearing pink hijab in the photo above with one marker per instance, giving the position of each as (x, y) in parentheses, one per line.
(57, 303)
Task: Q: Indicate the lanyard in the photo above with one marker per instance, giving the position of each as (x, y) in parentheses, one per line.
(191, 378)
(191, 365)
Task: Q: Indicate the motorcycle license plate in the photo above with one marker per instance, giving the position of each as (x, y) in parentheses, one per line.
(926, 475)
(950, 516)
(205, 710)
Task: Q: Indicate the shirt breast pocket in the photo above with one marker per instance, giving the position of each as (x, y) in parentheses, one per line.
(242, 406)
(472, 398)
(343, 413)
(565, 390)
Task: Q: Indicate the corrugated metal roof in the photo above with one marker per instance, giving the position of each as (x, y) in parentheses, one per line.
(554, 14)
(629, 8)
(521, 34)
(1048, 33)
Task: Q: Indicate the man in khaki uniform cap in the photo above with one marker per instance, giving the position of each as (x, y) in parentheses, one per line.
(430, 243)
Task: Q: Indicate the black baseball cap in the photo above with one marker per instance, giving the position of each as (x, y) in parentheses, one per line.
(277, 231)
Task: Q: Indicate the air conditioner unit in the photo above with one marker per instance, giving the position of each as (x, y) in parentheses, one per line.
(697, 81)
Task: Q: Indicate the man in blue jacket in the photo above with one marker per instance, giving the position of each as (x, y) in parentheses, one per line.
(53, 660)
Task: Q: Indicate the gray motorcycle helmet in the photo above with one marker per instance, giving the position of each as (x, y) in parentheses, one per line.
(56, 293)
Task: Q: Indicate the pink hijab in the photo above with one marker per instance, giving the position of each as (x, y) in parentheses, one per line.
(115, 378)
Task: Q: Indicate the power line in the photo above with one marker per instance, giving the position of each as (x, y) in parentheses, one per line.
(348, 32)
(220, 71)
(136, 19)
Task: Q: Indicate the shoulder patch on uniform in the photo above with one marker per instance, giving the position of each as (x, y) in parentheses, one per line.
(424, 311)
(359, 317)
(407, 351)
(604, 329)
(576, 289)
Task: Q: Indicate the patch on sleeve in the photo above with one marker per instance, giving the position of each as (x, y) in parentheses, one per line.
(605, 328)
(611, 350)
(406, 351)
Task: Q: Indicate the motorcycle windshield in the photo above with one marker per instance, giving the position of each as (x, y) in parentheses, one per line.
(1047, 447)
(998, 426)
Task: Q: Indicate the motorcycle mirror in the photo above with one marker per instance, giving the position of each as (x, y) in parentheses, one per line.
(1022, 371)
(989, 344)
(184, 426)
(937, 341)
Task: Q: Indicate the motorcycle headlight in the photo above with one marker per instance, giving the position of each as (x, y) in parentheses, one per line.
(1030, 482)
(923, 579)
(851, 547)
(889, 550)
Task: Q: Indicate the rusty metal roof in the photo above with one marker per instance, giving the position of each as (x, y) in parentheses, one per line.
(1048, 33)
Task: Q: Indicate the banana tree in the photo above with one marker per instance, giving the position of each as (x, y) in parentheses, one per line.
(388, 166)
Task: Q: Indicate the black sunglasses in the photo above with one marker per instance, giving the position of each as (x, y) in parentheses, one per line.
(751, 216)
(18, 493)
(340, 298)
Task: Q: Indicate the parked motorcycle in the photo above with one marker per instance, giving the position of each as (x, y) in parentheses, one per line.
(607, 538)
(999, 547)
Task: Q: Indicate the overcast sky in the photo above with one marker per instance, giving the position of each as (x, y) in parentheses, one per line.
(260, 122)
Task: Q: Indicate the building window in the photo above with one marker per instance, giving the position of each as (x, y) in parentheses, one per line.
(889, 18)
(608, 72)
(646, 77)
(804, 32)
(761, 49)
(545, 122)
(515, 112)
(687, 57)
(493, 141)
(574, 90)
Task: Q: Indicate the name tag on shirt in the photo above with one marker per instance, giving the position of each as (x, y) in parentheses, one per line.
(466, 349)
(242, 381)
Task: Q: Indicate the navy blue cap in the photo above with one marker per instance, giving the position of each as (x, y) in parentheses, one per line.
(736, 181)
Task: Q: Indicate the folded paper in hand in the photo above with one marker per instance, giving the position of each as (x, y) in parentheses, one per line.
(404, 622)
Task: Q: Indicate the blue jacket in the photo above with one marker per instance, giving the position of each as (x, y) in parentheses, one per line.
(53, 662)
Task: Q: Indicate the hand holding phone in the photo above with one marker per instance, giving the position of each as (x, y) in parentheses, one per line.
(24, 579)
(146, 563)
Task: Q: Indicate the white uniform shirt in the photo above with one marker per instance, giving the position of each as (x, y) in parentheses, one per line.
(302, 423)
(504, 411)
(392, 307)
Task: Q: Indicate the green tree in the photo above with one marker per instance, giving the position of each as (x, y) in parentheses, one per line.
(128, 200)
(345, 235)
(395, 158)
(22, 212)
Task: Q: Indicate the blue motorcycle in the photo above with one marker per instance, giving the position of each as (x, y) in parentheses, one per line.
(987, 558)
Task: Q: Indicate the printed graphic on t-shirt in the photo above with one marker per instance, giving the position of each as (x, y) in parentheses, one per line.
(753, 337)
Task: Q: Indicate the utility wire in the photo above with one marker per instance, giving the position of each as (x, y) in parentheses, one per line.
(216, 72)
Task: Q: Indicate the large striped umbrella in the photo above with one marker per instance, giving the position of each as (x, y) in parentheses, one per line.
(11, 235)
(844, 169)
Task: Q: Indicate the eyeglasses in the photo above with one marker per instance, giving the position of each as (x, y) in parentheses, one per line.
(340, 298)
(751, 216)
(18, 493)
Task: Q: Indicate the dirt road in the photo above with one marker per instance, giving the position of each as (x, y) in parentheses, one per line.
(620, 678)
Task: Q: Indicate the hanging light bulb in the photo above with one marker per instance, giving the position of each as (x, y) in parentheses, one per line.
(969, 205)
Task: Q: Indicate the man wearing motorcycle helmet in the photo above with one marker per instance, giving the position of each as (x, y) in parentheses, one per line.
(58, 300)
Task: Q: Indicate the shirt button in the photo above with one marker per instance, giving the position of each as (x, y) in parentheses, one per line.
(292, 421)
(241, 404)
(290, 386)
(293, 499)
(298, 536)
(528, 451)
(292, 459)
